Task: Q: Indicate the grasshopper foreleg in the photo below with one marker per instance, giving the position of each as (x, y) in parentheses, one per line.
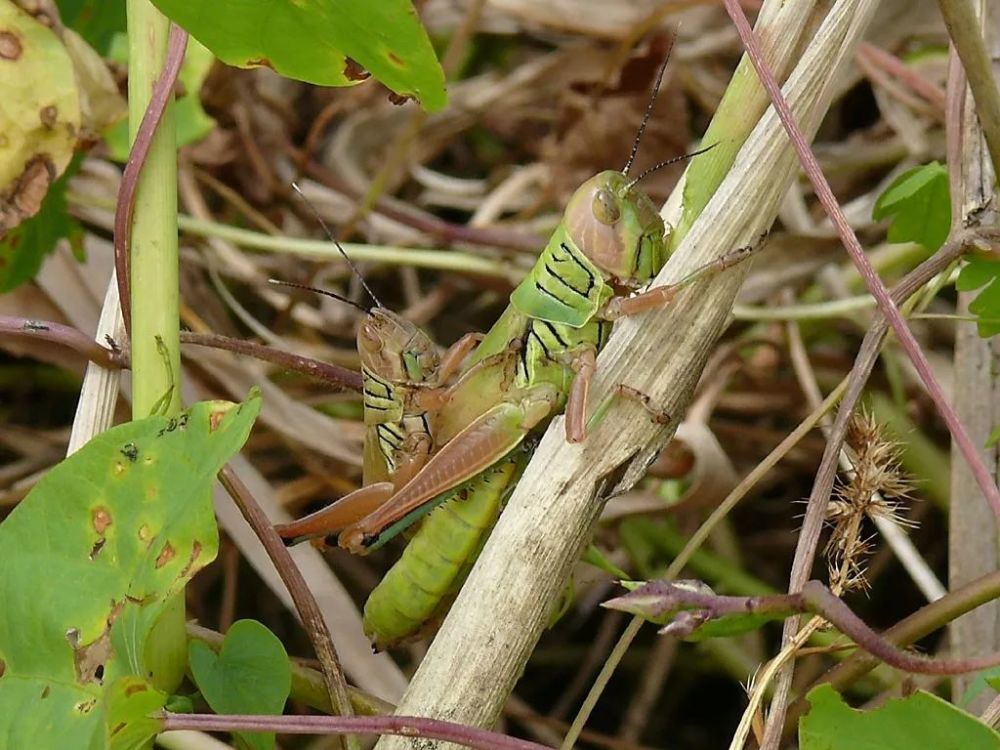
(663, 295)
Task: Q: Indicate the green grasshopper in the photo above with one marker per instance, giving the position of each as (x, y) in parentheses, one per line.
(538, 359)
(402, 374)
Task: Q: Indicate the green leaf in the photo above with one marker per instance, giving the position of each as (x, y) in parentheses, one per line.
(97, 21)
(23, 249)
(249, 675)
(190, 118)
(982, 272)
(90, 559)
(595, 557)
(993, 439)
(921, 721)
(919, 205)
(130, 701)
(320, 41)
(39, 114)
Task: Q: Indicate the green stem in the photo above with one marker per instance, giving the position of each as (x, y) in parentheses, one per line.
(155, 328)
(153, 263)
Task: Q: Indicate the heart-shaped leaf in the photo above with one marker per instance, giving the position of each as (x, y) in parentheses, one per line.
(921, 721)
(249, 675)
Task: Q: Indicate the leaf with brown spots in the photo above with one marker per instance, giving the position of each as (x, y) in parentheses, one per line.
(320, 42)
(40, 118)
(129, 704)
(88, 562)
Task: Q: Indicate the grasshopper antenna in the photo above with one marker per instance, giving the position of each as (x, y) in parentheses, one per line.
(649, 106)
(667, 163)
(352, 303)
(343, 252)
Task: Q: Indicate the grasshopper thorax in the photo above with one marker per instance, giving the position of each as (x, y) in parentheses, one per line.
(395, 348)
(618, 228)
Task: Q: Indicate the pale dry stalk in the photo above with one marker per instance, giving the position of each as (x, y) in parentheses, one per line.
(497, 618)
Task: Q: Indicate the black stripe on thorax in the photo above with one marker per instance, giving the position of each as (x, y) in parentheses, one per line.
(565, 283)
(583, 267)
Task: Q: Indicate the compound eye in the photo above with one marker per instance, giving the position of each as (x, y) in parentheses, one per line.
(605, 207)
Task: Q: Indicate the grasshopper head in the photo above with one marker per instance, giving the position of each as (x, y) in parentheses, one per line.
(618, 228)
(395, 349)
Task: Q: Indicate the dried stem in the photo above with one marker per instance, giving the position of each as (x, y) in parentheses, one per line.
(967, 36)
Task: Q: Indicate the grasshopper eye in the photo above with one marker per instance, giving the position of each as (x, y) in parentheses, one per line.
(605, 207)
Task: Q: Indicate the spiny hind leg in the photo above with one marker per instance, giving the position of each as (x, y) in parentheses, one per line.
(474, 449)
(332, 519)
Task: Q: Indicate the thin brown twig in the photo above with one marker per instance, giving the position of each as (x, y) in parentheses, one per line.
(110, 358)
(163, 91)
(305, 604)
(335, 375)
(918, 84)
(685, 609)
(114, 358)
(404, 726)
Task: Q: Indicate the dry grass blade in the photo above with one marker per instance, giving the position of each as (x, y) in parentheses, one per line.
(483, 644)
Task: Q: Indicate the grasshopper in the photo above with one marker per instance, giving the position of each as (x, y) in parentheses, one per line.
(402, 374)
(537, 360)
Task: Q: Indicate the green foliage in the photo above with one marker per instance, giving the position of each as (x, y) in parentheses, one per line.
(97, 21)
(88, 562)
(39, 122)
(919, 206)
(191, 121)
(595, 557)
(983, 272)
(129, 702)
(23, 248)
(249, 675)
(921, 721)
(320, 41)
